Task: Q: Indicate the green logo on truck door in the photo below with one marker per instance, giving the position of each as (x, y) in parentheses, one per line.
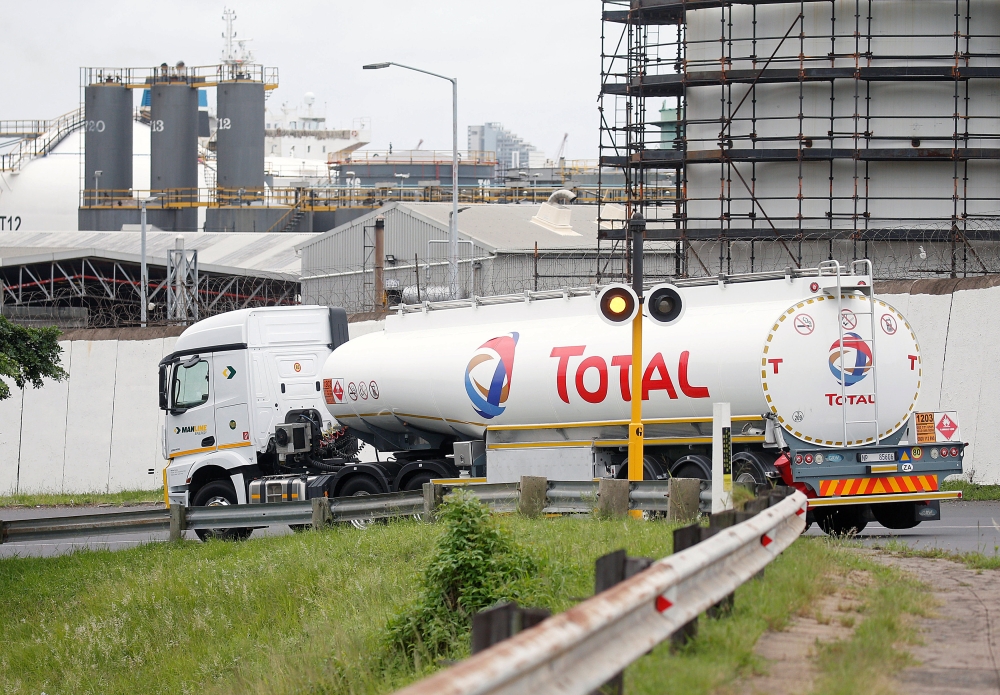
(229, 372)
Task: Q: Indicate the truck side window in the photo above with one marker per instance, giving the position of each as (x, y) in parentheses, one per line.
(190, 385)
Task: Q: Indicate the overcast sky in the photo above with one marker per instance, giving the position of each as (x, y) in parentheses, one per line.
(532, 65)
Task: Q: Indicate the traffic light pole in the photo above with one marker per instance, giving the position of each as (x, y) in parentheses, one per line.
(637, 225)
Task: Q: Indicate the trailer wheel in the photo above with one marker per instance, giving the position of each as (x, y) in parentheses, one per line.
(842, 521)
(416, 482)
(219, 493)
(896, 515)
(749, 468)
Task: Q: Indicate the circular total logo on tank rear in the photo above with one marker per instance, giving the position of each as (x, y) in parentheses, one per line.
(821, 363)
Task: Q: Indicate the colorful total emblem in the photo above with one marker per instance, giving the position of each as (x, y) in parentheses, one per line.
(488, 376)
(857, 359)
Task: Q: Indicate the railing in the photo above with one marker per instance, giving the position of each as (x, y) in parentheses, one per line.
(486, 157)
(196, 75)
(581, 649)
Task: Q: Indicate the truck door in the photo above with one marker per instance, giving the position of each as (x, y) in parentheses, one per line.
(191, 417)
(232, 393)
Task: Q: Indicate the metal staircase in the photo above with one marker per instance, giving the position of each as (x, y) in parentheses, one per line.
(37, 138)
(834, 283)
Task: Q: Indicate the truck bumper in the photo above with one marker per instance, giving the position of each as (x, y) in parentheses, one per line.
(179, 498)
(876, 499)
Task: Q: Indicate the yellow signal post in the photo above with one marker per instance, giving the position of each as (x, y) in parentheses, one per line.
(637, 225)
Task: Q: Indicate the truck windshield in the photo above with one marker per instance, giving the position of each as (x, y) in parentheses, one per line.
(190, 385)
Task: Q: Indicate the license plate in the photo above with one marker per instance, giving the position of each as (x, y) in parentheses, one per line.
(884, 457)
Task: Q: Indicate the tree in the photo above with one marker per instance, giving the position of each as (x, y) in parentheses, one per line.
(28, 355)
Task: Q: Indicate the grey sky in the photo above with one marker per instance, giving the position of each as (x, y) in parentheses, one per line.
(532, 65)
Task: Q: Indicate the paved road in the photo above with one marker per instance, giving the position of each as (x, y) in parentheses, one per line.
(964, 527)
(116, 542)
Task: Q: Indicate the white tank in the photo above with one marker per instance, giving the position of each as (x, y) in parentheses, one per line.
(772, 345)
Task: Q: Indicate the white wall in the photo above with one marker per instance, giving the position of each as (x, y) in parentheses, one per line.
(98, 431)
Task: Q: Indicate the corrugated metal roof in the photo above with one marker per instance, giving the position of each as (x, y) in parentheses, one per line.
(498, 228)
(243, 253)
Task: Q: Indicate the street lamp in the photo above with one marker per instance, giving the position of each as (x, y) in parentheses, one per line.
(453, 226)
(143, 271)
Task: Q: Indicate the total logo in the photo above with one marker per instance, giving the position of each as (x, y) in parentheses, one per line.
(488, 375)
(856, 356)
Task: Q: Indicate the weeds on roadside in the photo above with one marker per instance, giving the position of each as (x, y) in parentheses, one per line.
(476, 564)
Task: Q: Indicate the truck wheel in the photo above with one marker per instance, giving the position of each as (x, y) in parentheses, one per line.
(219, 493)
(417, 481)
(896, 515)
(749, 469)
(360, 486)
(842, 521)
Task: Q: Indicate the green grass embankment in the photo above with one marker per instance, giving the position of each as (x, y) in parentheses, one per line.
(307, 613)
(973, 491)
(82, 499)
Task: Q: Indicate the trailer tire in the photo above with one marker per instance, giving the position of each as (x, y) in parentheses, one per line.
(214, 494)
(360, 486)
(842, 521)
(896, 515)
(750, 468)
(692, 466)
(417, 480)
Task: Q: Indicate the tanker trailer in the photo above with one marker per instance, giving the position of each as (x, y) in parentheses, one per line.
(822, 379)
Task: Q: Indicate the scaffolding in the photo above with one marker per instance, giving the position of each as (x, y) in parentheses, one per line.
(805, 129)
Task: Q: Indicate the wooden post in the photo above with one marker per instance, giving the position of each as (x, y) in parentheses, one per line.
(178, 521)
(608, 571)
(612, 497)
(533, 492)
(683, 499)
(433, 496)
(321, 514)
(506, 620)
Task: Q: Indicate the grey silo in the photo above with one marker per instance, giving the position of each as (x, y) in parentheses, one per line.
(173, 157)
(240, 137)
(107, 142)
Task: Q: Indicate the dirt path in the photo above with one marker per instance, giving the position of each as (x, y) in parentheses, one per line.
(961, 650)
(791, 669)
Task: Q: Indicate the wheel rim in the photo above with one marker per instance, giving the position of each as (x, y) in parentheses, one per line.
(361, 524)
(746, 477)
(218, 501)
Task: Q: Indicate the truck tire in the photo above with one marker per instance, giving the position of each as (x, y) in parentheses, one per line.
(214, 494)
(692, 466)
(842, 521)
(417, 480)
(749, 468)
(359, 486)
(896, 515)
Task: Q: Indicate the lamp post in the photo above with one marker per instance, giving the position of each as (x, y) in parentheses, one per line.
(453, 226)
(143, 270)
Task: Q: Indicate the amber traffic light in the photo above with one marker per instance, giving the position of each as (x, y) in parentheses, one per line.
(618, 304)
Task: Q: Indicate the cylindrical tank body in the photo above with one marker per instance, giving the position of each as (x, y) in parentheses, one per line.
(240, 139)
(767, 346)
(793, 140)
(173, 160)
(107, 143)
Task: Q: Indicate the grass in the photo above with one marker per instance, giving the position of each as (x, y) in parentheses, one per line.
(972, 560)
(82, 499)
(307, 613)
(973, 491)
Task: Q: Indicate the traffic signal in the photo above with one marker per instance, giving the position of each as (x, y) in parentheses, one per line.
(664, 304)
(618, 304)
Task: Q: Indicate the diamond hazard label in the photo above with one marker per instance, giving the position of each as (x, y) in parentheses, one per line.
(333, 391)
(946, 426)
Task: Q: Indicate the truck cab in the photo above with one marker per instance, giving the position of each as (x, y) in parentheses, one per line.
(245, 419)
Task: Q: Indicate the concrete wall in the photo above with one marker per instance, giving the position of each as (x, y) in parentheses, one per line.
(99, 430)
(959, 340)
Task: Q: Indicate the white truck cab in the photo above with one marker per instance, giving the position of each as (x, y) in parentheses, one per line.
(230, 380)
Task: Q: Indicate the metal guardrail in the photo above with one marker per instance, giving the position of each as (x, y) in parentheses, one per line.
(579, 650)
(561, 498)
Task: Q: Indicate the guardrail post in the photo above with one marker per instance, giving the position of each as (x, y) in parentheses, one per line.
(3, 528)
(178, 521)
(684, 538)
(506, 620)
(532, 500)
(433, 497)
(609, 570)
(321, 514)
(612, 497)
(683, 499)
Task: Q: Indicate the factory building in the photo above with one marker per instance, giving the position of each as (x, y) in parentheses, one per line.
(503, 249)
(512, 152)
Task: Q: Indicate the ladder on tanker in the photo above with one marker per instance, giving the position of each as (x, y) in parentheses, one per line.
(832, 281)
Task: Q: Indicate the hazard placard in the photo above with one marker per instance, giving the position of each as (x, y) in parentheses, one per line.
(333, 391)
(928, 428)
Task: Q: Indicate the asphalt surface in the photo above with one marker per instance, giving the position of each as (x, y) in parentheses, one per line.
(964, 527)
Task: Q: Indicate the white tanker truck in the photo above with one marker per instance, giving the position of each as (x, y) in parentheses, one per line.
(822, 378)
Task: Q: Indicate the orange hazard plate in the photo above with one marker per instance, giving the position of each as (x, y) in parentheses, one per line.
(878, 486)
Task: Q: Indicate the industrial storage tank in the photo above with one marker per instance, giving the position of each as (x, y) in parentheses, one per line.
(107, 142)
(843, 115)
(174, 143)
(240, 140)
